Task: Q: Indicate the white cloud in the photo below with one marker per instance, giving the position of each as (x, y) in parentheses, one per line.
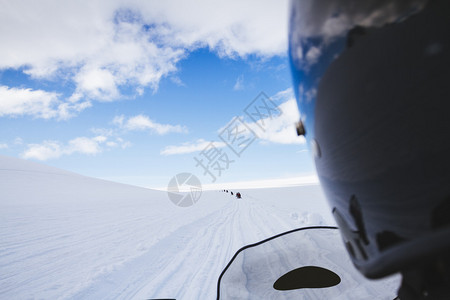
(142, 122)
(97, 83)
(4, 146)
(278, 128)
(105, 45)
(118, 120)
(45, 151)
(302, 151)
(190, 147)
(118, 142)
(111, 144)
(123, 144)
(313, 54)
(18, 141)
(239, 85)
(283, 96)
(177, 80)
(107, 132)
(36, 103)
(83, 145)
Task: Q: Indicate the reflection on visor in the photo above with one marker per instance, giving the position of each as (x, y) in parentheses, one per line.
(306, 263)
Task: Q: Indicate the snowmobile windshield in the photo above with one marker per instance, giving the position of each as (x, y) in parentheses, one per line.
(307, 263)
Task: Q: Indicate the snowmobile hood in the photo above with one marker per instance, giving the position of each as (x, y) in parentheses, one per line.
(305, 263)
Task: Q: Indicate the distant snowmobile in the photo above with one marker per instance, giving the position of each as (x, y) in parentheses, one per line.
(238, 195)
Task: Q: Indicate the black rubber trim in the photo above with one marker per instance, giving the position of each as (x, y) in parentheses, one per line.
(262, 242)
(422, 250)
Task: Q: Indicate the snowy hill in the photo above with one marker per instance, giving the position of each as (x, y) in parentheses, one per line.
(67, 236)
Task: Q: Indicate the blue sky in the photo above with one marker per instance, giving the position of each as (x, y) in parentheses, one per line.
(134, 91)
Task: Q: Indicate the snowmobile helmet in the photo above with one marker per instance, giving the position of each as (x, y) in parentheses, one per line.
(372, 82)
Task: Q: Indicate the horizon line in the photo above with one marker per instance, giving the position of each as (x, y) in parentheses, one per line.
(257, 184)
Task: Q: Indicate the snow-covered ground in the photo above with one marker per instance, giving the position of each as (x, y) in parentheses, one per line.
(66, 236)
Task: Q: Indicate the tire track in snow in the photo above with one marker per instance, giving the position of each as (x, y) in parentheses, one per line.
(200, 258)
(187, 261)
(248, 222)
(166, 267)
